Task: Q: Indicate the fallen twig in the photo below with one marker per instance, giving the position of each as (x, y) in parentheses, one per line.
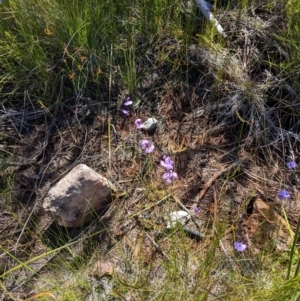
(213, 179)
(193, 233)
(157, 246)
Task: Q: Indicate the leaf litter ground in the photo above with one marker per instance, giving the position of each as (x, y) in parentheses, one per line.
(137, 218)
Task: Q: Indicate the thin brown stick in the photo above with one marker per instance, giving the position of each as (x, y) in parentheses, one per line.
(157, 246)
(208, 184)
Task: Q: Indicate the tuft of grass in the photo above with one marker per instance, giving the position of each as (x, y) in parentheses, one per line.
(67, 49)
(294, 253)
(292, 42)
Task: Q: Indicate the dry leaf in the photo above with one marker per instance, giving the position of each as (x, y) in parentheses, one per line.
(41, 295)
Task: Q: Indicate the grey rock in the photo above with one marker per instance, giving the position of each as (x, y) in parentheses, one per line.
(78, 196)
(149, 125)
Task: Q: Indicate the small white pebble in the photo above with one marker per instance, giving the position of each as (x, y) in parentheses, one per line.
(149, 125)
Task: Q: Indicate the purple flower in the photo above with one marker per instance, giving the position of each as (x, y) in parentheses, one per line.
(138, 123)
(167, 163)
(239, 246)
(283, 194)
(128, 102)
(170, 176)
(291, 164)
(196, 210)
(126, 112)
(147, 146)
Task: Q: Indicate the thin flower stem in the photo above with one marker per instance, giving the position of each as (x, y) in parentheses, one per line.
(109, 100)
(293, 252)
(297, 269)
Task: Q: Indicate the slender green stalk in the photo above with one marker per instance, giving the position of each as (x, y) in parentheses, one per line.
(292, 254)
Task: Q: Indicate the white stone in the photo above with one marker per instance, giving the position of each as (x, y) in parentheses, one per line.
(149, 125)
(78, 196)
(176, 217)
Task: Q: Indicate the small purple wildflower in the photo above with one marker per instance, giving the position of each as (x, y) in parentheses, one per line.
(170, 176)
(197, 210)
(167, 163)
(147, 146)
(127, 102)
(239, 246)
(126, 112)
(138, 123)
(283, 194)
(291, 164)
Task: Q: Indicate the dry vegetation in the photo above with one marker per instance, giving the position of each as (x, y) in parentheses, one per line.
(228, 112)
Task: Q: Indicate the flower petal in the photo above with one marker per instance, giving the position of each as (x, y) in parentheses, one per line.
(196, 210)
(149, 149)
(174, 175)
(167, 163)
(144, 143)
(166, 175)
(239, 246)
(291, 164)
(138, 123)
(128, 102)
(283, 194)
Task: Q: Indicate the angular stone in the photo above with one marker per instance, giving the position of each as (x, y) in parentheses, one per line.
(149, 125)
(77, 196)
